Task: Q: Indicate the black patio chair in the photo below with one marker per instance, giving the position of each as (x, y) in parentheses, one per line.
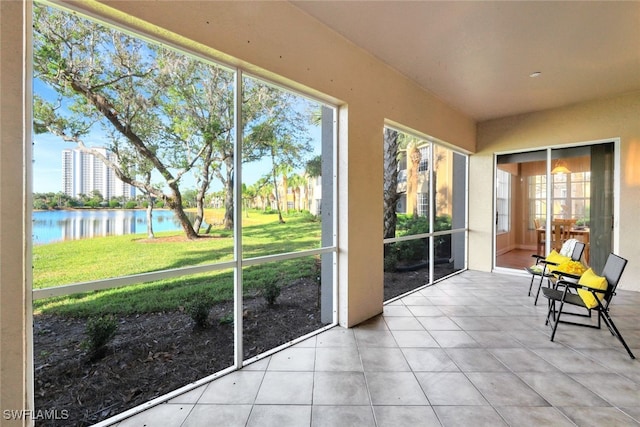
(543, 268)
(588, 296)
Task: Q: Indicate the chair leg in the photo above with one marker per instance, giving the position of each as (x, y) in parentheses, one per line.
(535, 302)
(557, 320)
(614, 331)
(552, 310)
(531, 285)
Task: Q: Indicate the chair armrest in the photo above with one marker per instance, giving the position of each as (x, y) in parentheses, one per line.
(580, 286)
(538, 257)
(564, 274)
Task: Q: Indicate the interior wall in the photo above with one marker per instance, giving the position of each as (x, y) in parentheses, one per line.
(278, 41)
(601, 120)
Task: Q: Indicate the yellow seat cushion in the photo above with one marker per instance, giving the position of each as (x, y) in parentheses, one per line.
(556, 258)
(591, 279)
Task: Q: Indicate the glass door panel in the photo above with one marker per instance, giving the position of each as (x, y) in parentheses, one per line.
(534, 218)
(520, 218)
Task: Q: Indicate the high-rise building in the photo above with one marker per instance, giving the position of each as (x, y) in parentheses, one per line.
(83, 173)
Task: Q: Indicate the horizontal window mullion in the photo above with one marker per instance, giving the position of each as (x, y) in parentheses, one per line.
(423, 235)
(118, 282)
(287, 255)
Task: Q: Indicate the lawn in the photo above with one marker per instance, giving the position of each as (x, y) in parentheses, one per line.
(76, 261)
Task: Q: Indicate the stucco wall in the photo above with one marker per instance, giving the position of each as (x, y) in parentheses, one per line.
(15, 302)
(617, 117)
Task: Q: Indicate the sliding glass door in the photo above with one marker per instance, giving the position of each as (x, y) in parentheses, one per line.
(546, 197)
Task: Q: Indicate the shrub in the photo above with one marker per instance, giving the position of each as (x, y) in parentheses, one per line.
(131, 204)
(199, 312)
(99, 331)
(391, 259)
(270, 291)
(227, 319)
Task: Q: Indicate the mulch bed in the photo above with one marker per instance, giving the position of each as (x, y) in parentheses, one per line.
(153, 354)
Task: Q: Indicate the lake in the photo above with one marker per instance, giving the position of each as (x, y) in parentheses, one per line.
(58, 225)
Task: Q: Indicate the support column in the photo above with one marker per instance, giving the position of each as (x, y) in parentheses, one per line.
(16, 361)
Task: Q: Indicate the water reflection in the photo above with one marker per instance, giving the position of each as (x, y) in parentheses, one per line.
(53, 226)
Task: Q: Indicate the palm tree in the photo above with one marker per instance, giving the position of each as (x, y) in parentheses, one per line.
(296, 181)
(413, 163)
(391, 194)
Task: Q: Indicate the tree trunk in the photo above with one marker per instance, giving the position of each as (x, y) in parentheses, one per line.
(275, 185)
(150, 234)
(413, 163)
(228, 202)
(175, 204)
(390, 182)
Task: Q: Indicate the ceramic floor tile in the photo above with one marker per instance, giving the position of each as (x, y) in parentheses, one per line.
(414, 339)
(337, 337)
(416, 299)
(286, 388)
(376, 359)
(505, 389)
(522, 360)
(454, 339)
(375, 338)
(465, 416)
(474, 323)
(438, 324)
(189, 397)
(279, 416)
(376, 323)
(615, 389)
(404, 324)
(598, 417)
(293, 359)
(633, 412)
(534, 416)
(405, 416)
(218, 415)
(394, 388)
(340, 388)
(475, 360)
(570, 362)
(494, 339)
(166, 414)
(535, 339)
(468, 311)
(240, 387)
(560, 390)
(449, 388)
(425, 310)
(395, 310)
(338, 359)
(352, 416)
(257, 365)
(429, 360)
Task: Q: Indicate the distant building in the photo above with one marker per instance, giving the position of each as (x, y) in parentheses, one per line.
(82, 173)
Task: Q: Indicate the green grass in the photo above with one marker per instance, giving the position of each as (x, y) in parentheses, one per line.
(107, 257)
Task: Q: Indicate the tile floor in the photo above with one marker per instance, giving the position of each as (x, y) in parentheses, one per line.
(471, 350)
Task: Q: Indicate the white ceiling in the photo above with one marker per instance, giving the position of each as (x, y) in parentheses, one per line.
(477, 56)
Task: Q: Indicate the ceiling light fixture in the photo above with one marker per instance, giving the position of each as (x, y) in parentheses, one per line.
(535, 74)
(560, 168)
